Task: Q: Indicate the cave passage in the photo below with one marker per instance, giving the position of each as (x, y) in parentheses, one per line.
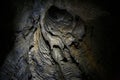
(56, 40)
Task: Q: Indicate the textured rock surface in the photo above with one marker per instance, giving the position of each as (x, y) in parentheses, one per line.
(50, 42)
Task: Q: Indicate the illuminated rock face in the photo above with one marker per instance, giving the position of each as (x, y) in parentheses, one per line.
(43, 49)
(50, 44)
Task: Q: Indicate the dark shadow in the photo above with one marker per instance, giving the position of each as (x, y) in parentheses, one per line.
(6, 29)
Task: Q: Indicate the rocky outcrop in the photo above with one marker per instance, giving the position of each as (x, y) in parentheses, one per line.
(50, 43)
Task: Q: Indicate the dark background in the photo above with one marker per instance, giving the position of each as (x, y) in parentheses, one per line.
(7, 15)
(6, 28)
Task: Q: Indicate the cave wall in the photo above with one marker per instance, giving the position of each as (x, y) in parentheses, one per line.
(24, 32)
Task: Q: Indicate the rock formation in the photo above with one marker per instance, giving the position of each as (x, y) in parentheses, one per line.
(50, 42)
